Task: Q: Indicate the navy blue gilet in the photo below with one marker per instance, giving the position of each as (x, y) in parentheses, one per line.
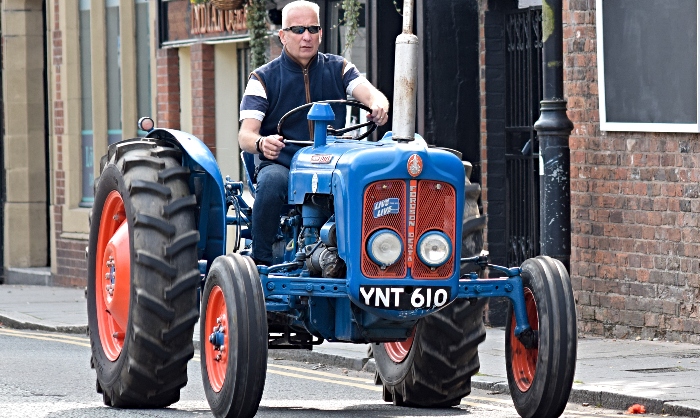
(286, 88)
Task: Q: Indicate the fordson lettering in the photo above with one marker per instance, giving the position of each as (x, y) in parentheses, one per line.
(410, 238)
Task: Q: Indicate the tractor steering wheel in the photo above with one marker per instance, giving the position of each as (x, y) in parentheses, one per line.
(372, 125)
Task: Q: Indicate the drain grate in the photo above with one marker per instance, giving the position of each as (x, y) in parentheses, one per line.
(662, 370)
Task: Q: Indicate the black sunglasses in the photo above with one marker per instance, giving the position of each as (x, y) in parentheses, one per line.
(300, 29)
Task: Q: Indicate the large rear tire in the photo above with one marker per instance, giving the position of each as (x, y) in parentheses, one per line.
(233, 337)
(433, 368)
(540, 377)
(142, 276)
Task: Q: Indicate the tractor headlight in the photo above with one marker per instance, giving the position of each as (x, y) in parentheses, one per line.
(385, 247)
(434, 248)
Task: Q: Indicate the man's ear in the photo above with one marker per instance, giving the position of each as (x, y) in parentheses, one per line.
(282, 36)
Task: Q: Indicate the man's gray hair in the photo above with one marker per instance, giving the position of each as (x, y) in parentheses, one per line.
(299, 4)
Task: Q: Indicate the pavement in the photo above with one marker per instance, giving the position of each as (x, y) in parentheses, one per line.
(663, 376)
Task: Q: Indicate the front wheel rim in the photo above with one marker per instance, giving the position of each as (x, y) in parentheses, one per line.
(524, 360)
(113, 276)
(216, 355)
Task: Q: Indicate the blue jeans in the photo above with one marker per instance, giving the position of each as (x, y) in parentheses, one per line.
(270, 196)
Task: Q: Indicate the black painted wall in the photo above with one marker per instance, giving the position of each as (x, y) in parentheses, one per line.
(383, 26)
(494, 33)
(448, 107)
(449, 35)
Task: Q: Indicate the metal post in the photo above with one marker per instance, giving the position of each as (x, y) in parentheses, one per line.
(405, 74)
(553, 130)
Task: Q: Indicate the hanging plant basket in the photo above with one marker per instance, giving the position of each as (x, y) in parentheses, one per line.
(227, 4)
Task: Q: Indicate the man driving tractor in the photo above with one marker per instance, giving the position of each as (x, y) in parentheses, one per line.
(298, 76)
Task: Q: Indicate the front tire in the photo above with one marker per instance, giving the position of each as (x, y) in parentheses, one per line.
(540, 377)
(233, 337)
(142, 276)
(433, 367)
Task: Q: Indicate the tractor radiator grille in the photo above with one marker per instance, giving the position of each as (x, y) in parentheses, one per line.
(377, 192)
(435, 208)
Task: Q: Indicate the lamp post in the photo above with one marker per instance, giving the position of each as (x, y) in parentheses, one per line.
(553, 130)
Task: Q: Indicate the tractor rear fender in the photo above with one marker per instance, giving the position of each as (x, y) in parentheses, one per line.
(207, 184)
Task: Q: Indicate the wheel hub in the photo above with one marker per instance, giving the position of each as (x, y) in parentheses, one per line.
(217, 337)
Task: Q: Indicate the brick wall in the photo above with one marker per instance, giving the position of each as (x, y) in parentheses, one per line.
(635, 211)
(168, 88)
(71, 266)
(493, 141)
(203, 94)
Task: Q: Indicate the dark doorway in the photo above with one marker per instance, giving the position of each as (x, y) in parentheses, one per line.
(513, 79)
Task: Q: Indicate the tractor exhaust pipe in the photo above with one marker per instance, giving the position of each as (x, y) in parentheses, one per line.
(405, 75)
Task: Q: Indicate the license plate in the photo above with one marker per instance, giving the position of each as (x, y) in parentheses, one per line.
(404, 297)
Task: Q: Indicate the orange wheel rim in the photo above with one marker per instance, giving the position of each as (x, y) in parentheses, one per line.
(398, 351)
(216, 356)
(524, 360)
(113, 276)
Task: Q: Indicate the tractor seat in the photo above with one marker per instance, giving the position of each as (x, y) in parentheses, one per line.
(248, 161)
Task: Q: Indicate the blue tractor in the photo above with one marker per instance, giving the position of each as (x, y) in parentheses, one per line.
(380, 243)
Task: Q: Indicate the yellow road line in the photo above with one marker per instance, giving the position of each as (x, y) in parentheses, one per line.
(39, 337)
(43, 334)
(301, 369)
(320, 379)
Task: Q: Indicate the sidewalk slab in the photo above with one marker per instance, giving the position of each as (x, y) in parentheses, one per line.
(44, 308)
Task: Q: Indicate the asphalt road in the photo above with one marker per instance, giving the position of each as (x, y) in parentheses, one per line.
(48, 375)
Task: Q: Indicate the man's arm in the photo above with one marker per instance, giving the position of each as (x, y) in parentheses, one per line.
(250, 132)
(369, 96)
(253, 107)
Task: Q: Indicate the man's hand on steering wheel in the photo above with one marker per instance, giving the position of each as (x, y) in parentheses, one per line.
(379, 115)
(270, 146)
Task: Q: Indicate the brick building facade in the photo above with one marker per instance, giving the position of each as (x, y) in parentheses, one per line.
(634, 195)
(635, 211)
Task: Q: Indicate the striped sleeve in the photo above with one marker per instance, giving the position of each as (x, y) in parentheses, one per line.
(254, 103)
(352, 78)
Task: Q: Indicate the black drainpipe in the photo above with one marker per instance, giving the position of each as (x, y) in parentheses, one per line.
(553, 129)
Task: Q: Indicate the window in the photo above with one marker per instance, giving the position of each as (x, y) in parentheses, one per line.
(114, 102)
(143, 60)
